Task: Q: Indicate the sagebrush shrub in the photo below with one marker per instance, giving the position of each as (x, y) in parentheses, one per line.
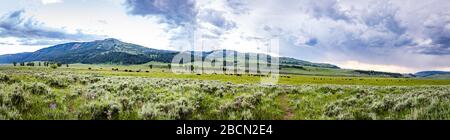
(38, 89)
(4, 78)
(177, 109)
(150, 111)
(414, 104)
(7, 79)
(72, 95)
(100, 110)
(94, 93)
(126, 103)
(76, 93)
(242, 106)
(57, 82)
(8, 113)
(3, 98)
(18, 97)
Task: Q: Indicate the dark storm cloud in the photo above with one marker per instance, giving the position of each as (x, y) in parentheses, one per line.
(177, 12)
(438, 30)
(312, 42)
(216, 18)
(325, 8)
(184, 17)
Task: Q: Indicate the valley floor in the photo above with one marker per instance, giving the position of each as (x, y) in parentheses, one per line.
(38, 93)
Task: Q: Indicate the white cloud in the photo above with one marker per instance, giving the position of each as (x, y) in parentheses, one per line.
(45, 2)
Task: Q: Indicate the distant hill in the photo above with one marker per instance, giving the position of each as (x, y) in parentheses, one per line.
(430, 73)
(9, 58)
(292, 61)
(378, 73)
(433, 74)
(439, 76)
(113, 51)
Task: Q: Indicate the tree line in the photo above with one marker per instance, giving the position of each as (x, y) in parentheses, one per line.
(45, 64)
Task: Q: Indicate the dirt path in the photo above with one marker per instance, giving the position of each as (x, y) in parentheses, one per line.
(285, 105)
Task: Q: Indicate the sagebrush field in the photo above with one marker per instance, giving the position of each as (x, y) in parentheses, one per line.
(39, 93)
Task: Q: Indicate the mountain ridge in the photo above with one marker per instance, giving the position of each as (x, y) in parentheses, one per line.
(112, 50)
(433, 74)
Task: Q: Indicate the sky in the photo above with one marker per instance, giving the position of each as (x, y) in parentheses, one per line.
(388, 35)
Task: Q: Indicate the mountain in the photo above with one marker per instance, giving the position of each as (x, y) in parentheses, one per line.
(284, 61)
(433, 74)
(100, 51)
(9, 58)
(292, 61)
(118, 52)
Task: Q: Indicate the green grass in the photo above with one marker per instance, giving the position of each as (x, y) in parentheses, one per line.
(158, 72)
(40, 93)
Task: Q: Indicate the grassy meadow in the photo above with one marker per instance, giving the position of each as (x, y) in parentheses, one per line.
(85, 92)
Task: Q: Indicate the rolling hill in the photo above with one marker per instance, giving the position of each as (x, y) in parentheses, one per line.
(433, 74)
(430, 73)
(100, 51)
(113, 51)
